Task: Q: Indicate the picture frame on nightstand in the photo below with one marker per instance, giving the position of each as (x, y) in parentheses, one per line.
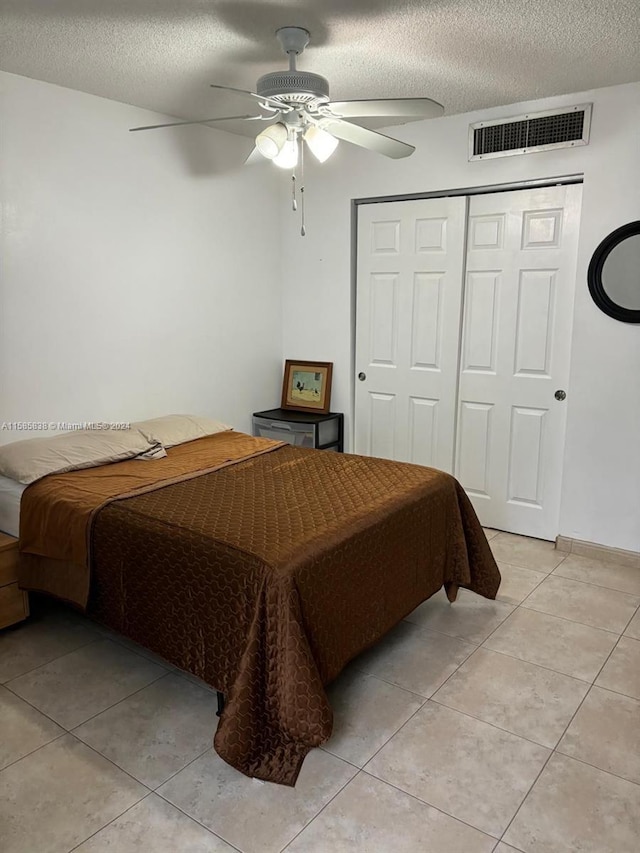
(306, 386)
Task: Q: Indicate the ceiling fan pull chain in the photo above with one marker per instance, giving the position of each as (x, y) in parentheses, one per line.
(303, 230)
(294, 203)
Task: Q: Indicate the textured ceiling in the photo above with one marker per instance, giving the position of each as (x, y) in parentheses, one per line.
(467, 54)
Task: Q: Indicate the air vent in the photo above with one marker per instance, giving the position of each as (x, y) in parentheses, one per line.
(525, 134)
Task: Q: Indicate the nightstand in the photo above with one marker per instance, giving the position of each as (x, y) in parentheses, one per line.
(304, 429)
(14, 603)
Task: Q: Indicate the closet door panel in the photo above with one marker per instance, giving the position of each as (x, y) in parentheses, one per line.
(516, 339)
(408, 302)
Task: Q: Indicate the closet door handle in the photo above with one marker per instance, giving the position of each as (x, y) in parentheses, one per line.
(362, 376)
(560, 394)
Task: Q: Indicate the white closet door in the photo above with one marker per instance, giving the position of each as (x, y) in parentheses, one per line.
(516, 340)
(409, 288)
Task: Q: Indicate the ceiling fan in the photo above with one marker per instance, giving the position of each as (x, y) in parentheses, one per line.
(295, 105)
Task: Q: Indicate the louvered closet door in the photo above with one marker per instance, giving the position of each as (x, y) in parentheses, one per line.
(516, 339)
(409, 288)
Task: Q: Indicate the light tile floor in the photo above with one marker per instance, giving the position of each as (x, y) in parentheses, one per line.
(481, 726)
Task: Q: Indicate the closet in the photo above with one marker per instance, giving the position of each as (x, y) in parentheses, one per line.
(464, 309)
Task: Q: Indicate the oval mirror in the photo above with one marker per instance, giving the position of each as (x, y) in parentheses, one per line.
(614, 274)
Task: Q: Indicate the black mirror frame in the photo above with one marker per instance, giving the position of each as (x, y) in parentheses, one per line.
(594, 275)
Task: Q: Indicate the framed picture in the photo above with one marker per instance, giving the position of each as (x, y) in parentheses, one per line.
(307, 386)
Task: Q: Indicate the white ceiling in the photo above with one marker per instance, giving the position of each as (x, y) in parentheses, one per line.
(467, 54)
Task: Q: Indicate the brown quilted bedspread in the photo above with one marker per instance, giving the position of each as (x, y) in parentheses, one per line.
(265, 578)
(56, 512)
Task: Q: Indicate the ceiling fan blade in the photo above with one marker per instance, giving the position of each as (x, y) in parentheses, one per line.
(370, 139)
(267, 100)
(200, 121)
(254, 158)
(407, 109)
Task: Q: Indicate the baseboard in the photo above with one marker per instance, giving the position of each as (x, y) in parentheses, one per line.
(598, 552)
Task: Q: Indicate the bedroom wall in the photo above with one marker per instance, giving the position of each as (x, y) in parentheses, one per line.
(601, 485)
(139, 272)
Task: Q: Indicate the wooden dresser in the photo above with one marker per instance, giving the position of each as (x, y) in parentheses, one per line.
(14, 603)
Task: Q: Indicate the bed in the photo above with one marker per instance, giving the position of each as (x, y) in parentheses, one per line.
(259, 567)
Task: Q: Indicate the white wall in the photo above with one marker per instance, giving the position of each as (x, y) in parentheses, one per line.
(601, 486)
(139, 272)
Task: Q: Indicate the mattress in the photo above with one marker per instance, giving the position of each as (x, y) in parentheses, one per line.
(10, 494)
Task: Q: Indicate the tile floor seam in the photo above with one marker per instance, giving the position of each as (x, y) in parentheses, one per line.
(498, 626)
(517, 565)
(33, 751)
(580, 706)
(542, 580)
(599, 769)
(540, 571)
(606, 660)
(463, 639)
(160, 661)
(27, 702)
(588, 583)
(171, 668)
(369, 760)
(493, 725)
(195, 819)
(110, 707)
(428, 699)
(402, 725)
(46, 663)
(571, 580)
(442, 634)
(169, 778)
(323, 748)
(399, 687)
(553, 575)
(67, 654)
(122, 640)
(424, 699)
(541, 665)
(598, 585)
(555, 750)
(431, 806)
(633, 616)
(93, 834)
(69, 734)
(524, 799)
(500, 841)
(616, 692)
(311, 820)
(156, 790)
(566, 619)
(105, 758)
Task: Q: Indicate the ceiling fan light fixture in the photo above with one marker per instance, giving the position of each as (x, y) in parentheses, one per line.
(271, 141)
(321, 143)
(288, 156)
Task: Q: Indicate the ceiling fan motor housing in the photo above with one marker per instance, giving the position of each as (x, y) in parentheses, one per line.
(300, 87)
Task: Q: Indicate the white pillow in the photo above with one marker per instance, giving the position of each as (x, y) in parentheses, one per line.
(177, 429)
(30, 460)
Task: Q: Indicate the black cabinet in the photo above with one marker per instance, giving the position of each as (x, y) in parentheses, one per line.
(304, 429)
